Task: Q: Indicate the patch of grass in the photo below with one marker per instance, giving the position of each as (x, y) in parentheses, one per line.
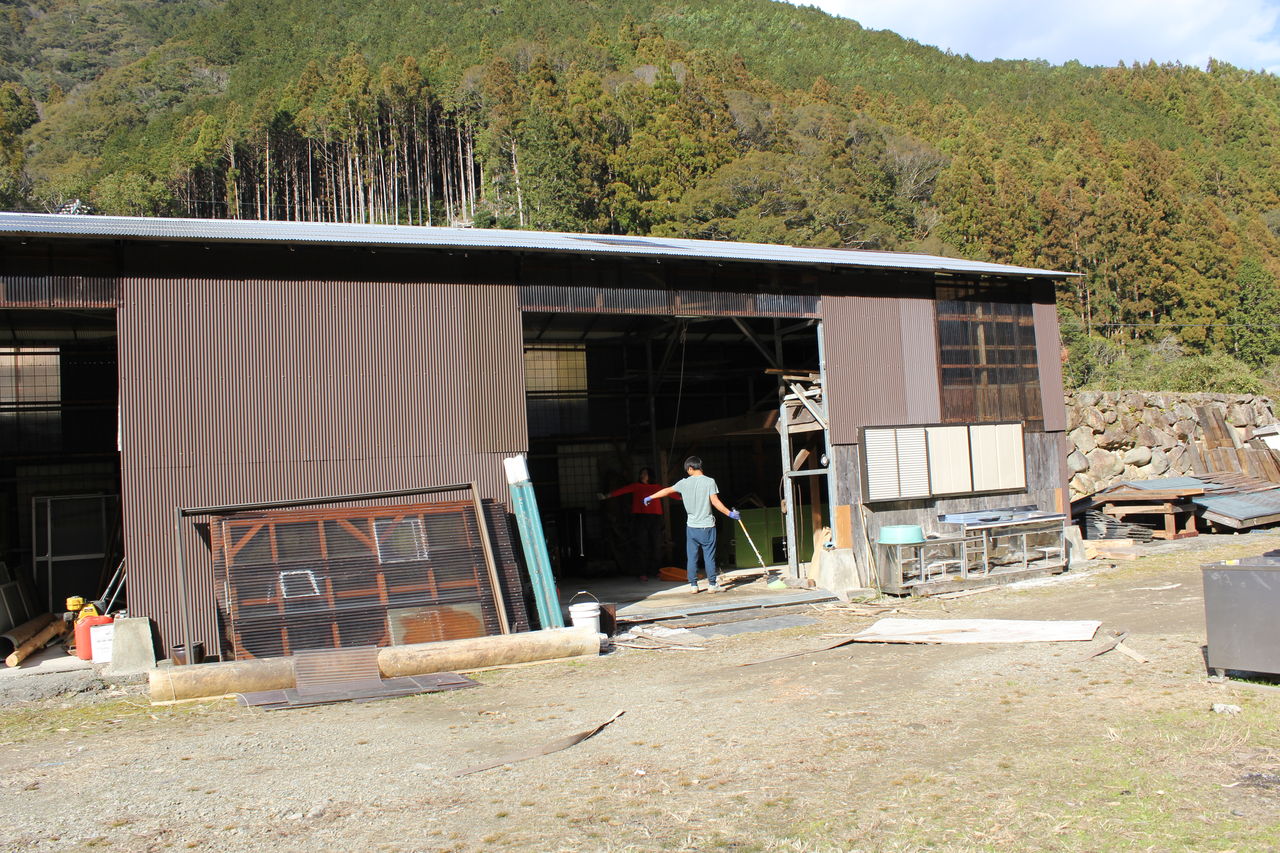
(19, 724)
(1152, 780)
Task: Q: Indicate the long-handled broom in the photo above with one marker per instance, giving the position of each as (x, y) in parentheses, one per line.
(771, 577)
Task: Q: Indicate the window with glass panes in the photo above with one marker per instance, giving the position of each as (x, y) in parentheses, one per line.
(987, 350)
(556, 380)
(29, 376)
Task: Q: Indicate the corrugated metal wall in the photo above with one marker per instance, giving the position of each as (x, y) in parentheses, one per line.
(918, 321)
(494, 344)
(882, 362)
(57, 291)
(237, 391)
(1049, 359)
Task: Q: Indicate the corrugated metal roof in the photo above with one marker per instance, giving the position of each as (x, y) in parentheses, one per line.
(344, 234)
(1171, 483)
(1245, 507)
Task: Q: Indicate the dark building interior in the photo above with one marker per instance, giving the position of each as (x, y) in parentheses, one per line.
(59, 465)
(609, 394)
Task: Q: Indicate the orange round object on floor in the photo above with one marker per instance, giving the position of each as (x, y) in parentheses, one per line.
(84, 646)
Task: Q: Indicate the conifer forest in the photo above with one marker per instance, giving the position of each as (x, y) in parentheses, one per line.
(721, 119)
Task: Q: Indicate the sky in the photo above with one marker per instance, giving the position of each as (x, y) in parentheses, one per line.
(1245, 33)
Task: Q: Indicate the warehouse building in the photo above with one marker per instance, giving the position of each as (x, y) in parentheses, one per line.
(148, 365)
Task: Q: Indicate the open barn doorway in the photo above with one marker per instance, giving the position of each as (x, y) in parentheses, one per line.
(59, 464)
(613, 395)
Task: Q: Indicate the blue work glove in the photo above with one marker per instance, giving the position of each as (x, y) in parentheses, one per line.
(646, 500)
(734, 514)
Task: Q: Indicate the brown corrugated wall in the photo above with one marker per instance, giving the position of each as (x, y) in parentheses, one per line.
(882, 362)
(238, 391)
(919, 324)
(1049, 358)
(494, 345)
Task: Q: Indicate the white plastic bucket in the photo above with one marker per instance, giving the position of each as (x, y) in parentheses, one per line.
(585, 615)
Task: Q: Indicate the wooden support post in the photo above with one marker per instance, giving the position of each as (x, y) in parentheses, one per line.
(490, 564)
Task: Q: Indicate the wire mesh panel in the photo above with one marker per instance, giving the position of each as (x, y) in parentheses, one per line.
(355, 576)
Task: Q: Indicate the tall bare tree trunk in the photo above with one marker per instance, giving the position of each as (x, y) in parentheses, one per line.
(515, 170)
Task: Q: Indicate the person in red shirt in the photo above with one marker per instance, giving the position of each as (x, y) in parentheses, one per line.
(646, 522)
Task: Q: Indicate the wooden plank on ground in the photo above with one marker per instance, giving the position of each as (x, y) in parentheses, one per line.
(1116, 511)
(1130, 653)
(1265, 463)
(1214, 436)
(1232, 433)
(1095, 548)
(1202, 415)
(1226, 460)
(1225, 433)
(1197, 459)
(1250, 464)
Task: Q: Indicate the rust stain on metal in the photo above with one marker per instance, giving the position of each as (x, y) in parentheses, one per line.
(865, 364)
(1049, 359)
(236, 391)
(433, 624)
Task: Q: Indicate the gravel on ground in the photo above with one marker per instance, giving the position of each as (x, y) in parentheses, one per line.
(865, 747)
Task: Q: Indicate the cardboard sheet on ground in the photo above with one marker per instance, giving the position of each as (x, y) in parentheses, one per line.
(978, 631)
(956, 631)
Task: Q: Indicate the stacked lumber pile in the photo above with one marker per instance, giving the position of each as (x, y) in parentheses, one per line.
(1098, 525)
(1173, 505)
(1224, 449)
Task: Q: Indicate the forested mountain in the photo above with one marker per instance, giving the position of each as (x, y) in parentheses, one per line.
(736, 119)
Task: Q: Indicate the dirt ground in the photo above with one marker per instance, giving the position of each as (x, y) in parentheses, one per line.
(1015, 747)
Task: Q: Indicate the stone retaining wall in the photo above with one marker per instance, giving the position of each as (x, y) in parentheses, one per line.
(1139, 435)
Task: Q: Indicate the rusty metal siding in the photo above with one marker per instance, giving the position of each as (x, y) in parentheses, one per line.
(865, 365)
(238, 391)
(921, 381)
(58, 291)
(1049, 360)
(493, 341)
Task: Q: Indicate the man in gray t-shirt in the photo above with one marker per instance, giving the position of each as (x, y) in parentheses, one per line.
(700, 494)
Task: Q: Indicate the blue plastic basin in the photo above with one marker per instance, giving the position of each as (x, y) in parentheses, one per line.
(901, 534)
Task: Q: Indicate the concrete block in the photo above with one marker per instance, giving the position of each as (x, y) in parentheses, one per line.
(839, 573)
(1075, 547)
(132, 648)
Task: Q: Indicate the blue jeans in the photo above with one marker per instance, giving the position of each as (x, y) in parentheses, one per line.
(704, 539)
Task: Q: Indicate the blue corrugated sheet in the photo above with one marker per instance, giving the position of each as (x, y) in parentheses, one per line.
(341, 233)
(1243, 507)
(1170, 483)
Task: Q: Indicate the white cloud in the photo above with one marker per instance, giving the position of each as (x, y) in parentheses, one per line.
(1245, 33)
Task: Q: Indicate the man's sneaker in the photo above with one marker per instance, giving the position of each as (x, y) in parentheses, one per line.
(693, 587)
(715, 587)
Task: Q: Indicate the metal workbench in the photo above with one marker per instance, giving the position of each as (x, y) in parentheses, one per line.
(994, 546)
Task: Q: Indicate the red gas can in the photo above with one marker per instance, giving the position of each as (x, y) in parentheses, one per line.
(84, 647)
